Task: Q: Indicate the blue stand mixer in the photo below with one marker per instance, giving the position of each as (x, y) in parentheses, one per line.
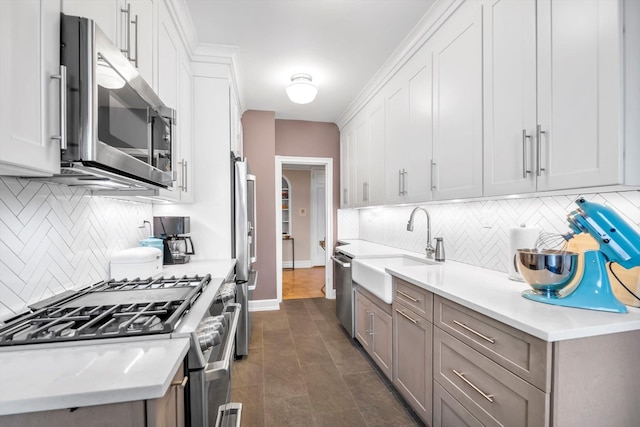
(549, 272)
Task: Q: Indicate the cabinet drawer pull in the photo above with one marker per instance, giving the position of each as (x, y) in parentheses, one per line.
(489, 397)
(407, 296)
(484, 337)
(181, 384)
(403, 314)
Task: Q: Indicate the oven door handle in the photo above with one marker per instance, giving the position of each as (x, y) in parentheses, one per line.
(220, 368)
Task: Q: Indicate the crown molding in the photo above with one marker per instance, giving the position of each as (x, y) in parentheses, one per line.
(424, 29)
(205, 52)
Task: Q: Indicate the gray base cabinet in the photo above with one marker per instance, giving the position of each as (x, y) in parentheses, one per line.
(412, 347)
(489, 372)
(449, 412)
(166, 411)
(374, 328)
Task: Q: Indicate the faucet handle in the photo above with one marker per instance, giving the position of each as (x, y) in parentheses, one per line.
(429, 250)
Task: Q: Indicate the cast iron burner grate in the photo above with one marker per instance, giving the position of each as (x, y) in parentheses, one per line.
(107, 310)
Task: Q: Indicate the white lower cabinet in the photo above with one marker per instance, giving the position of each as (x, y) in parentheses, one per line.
(29, 89)
(166, 411)
(374, 329)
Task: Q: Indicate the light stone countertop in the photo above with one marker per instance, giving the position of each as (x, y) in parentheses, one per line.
(95, 372)
(491, 293)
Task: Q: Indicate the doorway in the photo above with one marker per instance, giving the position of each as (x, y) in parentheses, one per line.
(303, 268)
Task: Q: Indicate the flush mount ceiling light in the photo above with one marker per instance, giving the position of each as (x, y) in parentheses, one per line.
(301, 90)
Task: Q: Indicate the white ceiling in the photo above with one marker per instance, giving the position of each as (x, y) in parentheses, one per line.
(341, 43)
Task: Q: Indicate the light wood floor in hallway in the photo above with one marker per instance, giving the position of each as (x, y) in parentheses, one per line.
(303, 283)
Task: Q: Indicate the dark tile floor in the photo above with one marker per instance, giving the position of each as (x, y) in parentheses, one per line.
(303, 370)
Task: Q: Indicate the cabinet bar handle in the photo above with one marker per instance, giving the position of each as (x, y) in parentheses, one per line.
(539, 133)
(484, 337)
(404, 182)
(433, 167)
(407, 296)
(63, 107)
(182, 383)
(525, 161)
(399, 182)
(127, 49)
(344, 196)
(371, 322)
(402, 313)
(135, 60)
(186, 176)
(489, 397)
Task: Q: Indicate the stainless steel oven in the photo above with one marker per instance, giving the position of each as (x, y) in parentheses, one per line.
(210, 360)
(210, 385)
(160, 308)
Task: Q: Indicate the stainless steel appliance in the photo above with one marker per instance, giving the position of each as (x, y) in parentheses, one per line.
(244, 244)
(344, 291)
(161, 308)
(119, 134)
(173, 230)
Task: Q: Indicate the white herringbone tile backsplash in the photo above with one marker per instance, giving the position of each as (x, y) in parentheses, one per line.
(54, 237)
(476, 232)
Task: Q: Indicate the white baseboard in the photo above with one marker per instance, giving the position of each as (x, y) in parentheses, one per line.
(299, 264)
(264, 305)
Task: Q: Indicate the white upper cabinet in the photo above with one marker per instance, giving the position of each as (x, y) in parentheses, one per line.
(175, 88)
(29, 89)
(362, 155)
(408, 140)
(347, 167)
(457, 105)
(368, 154)
(375, 183)
(168, 58)
(107, 14)
(509, 96)
(128, 23)
(137, 36)
(552, 117)
(579, 93)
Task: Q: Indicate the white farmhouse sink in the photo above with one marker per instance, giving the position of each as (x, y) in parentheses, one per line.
(370, 273)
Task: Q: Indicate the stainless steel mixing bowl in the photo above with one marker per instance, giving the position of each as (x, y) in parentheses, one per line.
(547, 271)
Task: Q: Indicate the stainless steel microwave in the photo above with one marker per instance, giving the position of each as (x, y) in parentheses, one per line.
(119, 135)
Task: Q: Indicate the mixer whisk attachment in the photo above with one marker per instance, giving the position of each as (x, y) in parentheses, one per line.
(556, 241)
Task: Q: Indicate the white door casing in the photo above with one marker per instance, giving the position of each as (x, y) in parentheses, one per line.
(327, 163)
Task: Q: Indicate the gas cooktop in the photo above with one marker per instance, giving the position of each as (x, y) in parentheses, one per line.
(106, 310)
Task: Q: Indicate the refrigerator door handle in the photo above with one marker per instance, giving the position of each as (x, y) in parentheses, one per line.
(253, 280)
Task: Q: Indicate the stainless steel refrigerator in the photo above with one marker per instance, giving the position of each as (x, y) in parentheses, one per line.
(243, 245)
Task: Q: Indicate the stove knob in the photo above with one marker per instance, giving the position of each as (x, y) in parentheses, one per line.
(208, 339)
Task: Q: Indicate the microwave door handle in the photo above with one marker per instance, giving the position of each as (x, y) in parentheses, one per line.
(220, 369)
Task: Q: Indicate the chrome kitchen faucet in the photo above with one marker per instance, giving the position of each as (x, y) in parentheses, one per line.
(429, 249)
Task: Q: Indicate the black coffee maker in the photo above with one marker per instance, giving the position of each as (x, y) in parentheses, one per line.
(173, 231)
